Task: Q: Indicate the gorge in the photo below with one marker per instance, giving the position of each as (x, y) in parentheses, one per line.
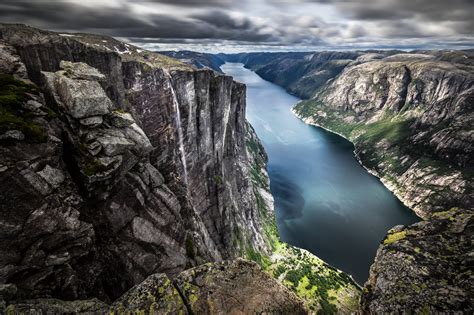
(325, 201)
(132, 181)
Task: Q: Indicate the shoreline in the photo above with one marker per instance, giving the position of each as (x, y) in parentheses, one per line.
(384, 182)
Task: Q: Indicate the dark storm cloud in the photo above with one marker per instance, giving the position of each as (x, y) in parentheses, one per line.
(193, 3)
(319, 23)
(439, 10)
(222, 20)
(407, 18)
(118, 21)
(67, 16)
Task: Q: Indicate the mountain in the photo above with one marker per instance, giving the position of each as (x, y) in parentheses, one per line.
(132, 181)
(198, 60)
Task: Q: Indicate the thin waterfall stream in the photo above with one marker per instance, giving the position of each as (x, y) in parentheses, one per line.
(180, 134)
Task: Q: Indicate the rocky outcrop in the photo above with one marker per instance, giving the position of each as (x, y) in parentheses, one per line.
(117, 163)
(433, 269)
(207, 290)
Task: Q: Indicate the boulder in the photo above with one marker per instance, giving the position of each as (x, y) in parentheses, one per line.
(81, 71)
(82, 98)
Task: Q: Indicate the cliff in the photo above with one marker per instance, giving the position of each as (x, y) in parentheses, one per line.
(127, 164)
(123, 169)
(410, 117)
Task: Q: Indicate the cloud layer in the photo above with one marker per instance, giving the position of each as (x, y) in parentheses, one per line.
(304, 24)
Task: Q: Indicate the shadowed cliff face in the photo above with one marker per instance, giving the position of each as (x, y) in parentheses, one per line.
(110, 174)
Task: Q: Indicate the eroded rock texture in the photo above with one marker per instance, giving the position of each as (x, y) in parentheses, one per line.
(116, 163)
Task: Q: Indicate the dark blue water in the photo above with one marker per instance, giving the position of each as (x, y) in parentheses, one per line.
(325, 201)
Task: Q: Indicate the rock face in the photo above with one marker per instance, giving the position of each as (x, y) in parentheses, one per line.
(116, 163)
(410, 116)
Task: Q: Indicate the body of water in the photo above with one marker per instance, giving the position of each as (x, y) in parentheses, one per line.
(325, 201)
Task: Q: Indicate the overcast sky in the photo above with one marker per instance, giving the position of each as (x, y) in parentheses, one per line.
(233, 25)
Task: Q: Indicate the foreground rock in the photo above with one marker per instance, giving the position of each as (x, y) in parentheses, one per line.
(239, 287)
(232, 287)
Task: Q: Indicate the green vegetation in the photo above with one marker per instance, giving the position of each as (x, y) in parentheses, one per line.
(256, 256)
(14, 93)
(393, 130)
(218, 180)
(323, 288)
(394, 237)
(189, 246)
(92, 167)
(257, 177)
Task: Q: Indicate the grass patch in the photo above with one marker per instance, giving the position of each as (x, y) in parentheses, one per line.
(189, 246)
(257, 257)
(322, 287)
(92, 167)
(395, 237)
(14, 93)
(394, 131)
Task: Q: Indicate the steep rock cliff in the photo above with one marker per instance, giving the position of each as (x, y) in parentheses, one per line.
(103, 162)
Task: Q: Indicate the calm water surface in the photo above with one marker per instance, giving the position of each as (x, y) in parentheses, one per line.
(325, 201)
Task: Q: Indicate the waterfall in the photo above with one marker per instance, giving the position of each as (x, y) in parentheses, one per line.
(180, 133)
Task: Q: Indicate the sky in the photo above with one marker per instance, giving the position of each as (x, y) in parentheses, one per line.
(258, 25)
